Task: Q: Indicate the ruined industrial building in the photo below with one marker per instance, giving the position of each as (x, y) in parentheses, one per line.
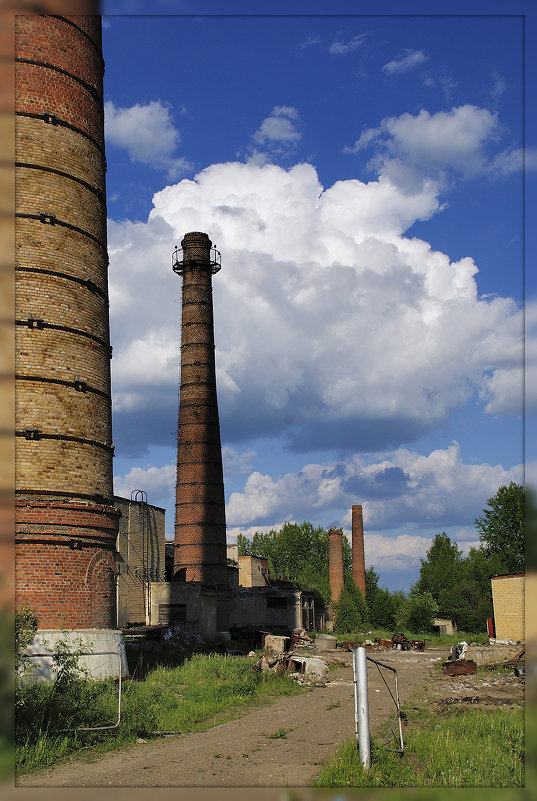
(88, 562)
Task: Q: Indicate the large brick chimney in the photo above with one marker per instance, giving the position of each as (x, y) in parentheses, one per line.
(358, 559)
(200, 523)
(335, 563)
(66, 523)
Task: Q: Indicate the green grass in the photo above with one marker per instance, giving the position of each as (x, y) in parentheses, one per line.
(454, 747)
(280, 734)
(430, 639)
(204, 691)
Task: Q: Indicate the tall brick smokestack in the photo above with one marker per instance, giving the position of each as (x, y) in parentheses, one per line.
(66, 524)
(358, 558)
(335, 563)
(200, 523)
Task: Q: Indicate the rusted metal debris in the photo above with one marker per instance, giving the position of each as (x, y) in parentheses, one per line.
(459, 667)
(300, 638)
(401, 642)
(467, 699)
(384, 643)
(351, 645)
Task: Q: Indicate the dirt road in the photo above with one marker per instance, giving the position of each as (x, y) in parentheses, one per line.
(242, 753)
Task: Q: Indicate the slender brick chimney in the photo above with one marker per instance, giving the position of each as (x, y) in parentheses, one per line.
(335, 563)
(200, 523)
(358, 559)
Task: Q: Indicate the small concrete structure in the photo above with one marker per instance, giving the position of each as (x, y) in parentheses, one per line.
(277, 645)
(189, 604)
(492, 654)
(325, 642)
(444, 626)
(140, 559)
(96, 663)
(253, 571)
(266, 607)
(313, 667)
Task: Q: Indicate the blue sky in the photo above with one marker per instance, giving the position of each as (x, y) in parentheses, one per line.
(362, 176)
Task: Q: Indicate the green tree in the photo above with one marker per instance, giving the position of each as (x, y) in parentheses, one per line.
(440, 575)
(244, 545)
(382, 605)
(502, 527)
(422, 609)
(349, 616)
(298, 552)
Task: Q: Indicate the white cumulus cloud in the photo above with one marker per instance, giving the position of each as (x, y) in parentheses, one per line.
(279, 126)
(412, 148)
(148, 133)
(332, 328)
(153, 480)
(405, 487)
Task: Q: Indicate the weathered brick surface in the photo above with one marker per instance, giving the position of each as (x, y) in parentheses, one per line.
(40, 191)
(200, 526)
(62, 355)
(335, 563)
(508, 604)
(61, 173)
(59, 301)
(65, 150)
(61, 250)
(65, 567)
(83, 60)
(68, 411)
(358, 558)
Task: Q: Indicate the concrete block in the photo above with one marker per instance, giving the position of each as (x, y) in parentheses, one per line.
(277, 645)
(325, 642)
(313, 667)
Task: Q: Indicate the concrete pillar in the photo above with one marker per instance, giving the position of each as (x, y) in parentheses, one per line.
(358, 559)
(335, 563)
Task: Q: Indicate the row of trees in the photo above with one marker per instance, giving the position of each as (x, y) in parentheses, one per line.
(449, 585)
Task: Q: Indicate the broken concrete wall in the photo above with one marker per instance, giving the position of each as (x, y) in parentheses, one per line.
(140, 558)
(266, 607)
(184, 603)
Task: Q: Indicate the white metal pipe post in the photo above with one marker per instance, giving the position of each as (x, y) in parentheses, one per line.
(361, 705)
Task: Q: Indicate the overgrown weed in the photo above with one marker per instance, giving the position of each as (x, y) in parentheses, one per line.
(202, 692)
(456, 747)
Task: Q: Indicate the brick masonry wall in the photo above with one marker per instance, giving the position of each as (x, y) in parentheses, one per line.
(508, 604)
(65, 567)
(66, 524)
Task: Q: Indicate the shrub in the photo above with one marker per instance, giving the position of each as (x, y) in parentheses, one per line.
(349, 616)
(420, 612)
(25, 629)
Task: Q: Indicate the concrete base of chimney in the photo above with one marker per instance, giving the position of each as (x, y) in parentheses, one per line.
(99, 665)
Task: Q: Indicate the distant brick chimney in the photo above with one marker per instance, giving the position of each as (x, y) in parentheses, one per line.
(200, 522)
(358, 559)
(335, 563)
